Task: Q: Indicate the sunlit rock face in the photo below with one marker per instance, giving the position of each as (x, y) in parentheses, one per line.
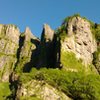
(80, 39)
(47, 33)
(9, 43)
(23, 51)
(71, 48)
(40, 90)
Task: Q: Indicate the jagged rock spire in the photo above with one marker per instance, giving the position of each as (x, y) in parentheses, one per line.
(47, 33)
(28, 34)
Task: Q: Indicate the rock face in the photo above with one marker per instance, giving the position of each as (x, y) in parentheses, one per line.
(47, 47)
(23, 51)
(9, 42)
(40, 90)
(73, 47)
(47, 34)
(79, 40)
(16, 50)
(27, 49)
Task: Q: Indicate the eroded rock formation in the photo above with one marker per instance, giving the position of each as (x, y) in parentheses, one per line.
(9, 42)
(80, 39)
(41, 90)
(72, 47)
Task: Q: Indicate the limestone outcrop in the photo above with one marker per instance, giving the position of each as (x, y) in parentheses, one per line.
(22, 51)
(47, 47)
(48, 33)
(73, 47)
(79, 39)
(9, 42)
(28, 45)
(40, 90)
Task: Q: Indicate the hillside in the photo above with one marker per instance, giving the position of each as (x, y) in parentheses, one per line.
(63, 65)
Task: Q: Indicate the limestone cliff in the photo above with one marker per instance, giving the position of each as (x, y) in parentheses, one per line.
(9, 42)
(28, 45)
(47, 47)
(78, 39)
(73, 48)
(41, 90)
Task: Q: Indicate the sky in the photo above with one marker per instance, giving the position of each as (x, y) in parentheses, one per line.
(35, 13)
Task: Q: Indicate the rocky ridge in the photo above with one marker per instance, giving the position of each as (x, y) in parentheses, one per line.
(72, 43)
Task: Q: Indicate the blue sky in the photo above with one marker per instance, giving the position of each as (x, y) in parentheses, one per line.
(34, 13)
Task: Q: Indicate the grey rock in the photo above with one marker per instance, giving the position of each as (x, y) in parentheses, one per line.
(9, 42)
(30, 45)
(80, 40)
(41, 90)
(48, 33)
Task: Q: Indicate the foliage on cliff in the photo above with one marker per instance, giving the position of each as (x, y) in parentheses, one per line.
(75, 85)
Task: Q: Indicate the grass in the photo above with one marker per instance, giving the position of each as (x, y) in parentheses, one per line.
(69, 60)
(4, 90)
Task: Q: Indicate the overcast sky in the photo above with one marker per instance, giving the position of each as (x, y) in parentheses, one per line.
(34, 13)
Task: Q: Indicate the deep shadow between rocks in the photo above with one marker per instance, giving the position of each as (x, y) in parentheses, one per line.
(34, 57)
(46, 54)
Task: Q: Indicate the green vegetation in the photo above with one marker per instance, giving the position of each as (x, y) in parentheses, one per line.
(20, 65)
(66, 20)
(76, 85)
(29, 98)
(97, 32)
(22, 35)
(4, 90)
(13, 26)
(95, 28)
(69, 60)
(96, 59)
(72, 79)
(62, 30)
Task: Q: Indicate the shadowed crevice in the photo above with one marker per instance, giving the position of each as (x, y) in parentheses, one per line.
(57, 52)
(21, 42)
(34, 57)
